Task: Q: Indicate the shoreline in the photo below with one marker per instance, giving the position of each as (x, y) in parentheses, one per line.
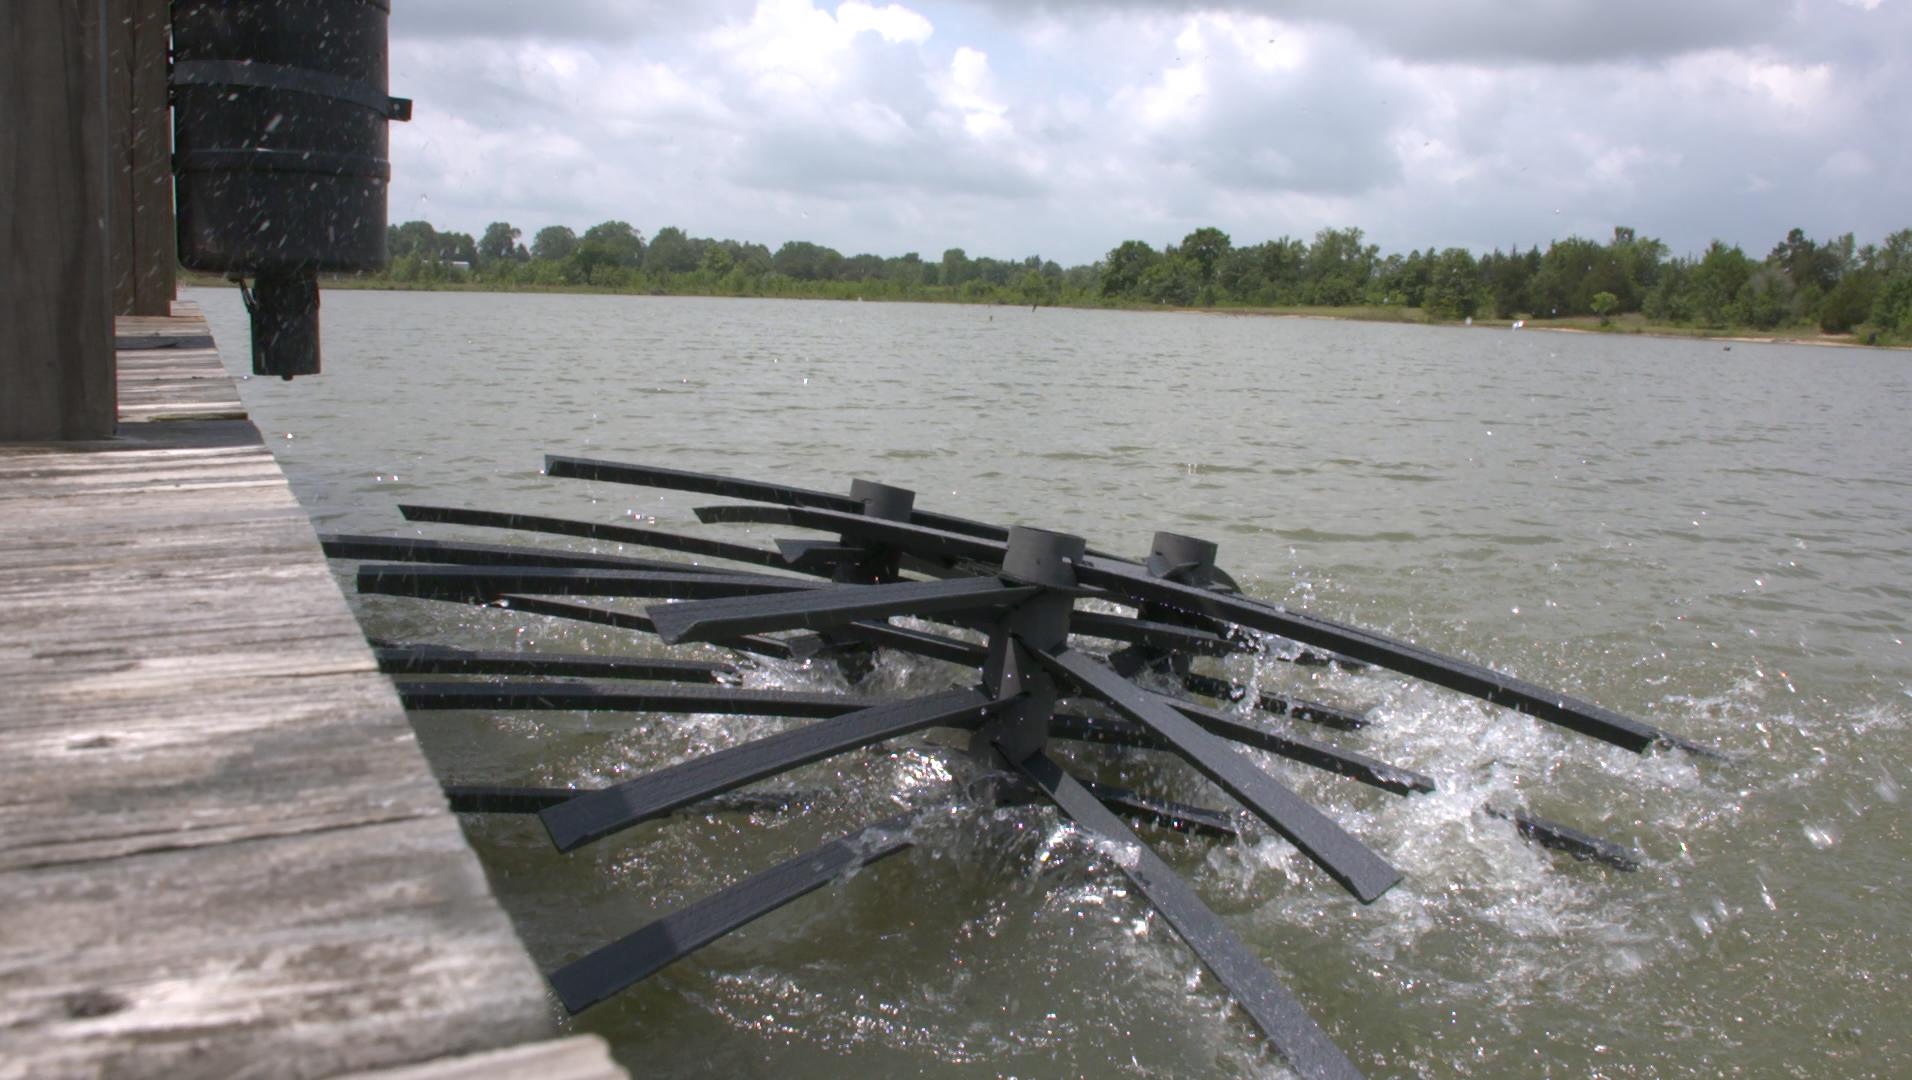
(1628, 324)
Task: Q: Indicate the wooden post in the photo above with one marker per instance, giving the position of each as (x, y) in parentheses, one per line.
(141, 174)
(56, 314)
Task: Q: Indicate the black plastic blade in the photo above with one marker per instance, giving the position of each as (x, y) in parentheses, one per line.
(795, 647)
(1166, 813)
(1354, 766)
(623, 534)
(1296, 748)
(1108, 732)
(1299, 708)
(641, 954)
(1557, 837)
(1158, 635)
(934, 646)
(731, 487)
(529, 694)
(442, 660)
(1013, 789)
(1480, 682)
(419, 550)
(818, 556)
(915, 539)
(834, 606)
(597, 815)
(491, 799)
(1346, 859)
(1295, 1035)
(468, 583)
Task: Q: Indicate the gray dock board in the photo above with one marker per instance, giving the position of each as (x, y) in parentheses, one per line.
(286, 956)
(580, 1057)
(222, 853)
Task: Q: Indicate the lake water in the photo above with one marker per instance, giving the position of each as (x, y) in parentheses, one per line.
(1717, 540)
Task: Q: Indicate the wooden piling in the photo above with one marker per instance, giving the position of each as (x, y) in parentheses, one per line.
(56, 297)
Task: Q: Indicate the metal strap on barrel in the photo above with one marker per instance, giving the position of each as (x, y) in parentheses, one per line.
(296, 79)
(282, 161)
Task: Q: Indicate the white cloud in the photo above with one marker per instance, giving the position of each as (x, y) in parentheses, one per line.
(894, 23)
(969, 89)
(888, 128)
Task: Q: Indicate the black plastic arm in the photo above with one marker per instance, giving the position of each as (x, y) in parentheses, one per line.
(622, 534)
(419, 550)
(444, 660)
(1307, 1048)
(1346, 859)
(1480, 682)
(642, 953)
(660, 697)
(835, 606)
(1300, 708)
(795, 647)
(916, 539)
(464, 583)
(731, 487)
(594, 816)
(1346, 763)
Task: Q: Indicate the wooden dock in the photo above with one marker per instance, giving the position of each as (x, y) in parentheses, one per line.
(222, 853)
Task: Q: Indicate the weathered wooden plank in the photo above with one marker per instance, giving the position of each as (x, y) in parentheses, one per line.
(291, 956)
(580, 1057)
(172, 384)
(221, 850)
(113, 781)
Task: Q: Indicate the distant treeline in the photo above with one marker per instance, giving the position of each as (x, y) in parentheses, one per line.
(1836, 284)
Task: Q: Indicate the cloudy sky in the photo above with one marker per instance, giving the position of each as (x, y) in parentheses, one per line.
(1061, 128)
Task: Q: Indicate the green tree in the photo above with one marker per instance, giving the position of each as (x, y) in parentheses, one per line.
(1637, 260)
(499, 243)
(554, 242)
(596, 263)
(1849, 302)
(1715, 283)
(1266, 273)
(457, 247)
(1206, 247)
(1604, 304)
(1808, 263)
(1339, 268)
(1892, 307)
(1036, 289)
(1173, 279)
(1893, 257)
(864, 267)
(804, 261)
(906, 269)
(1125, 267)
(670, 252)
(1765, 300)
(1563, 284)
(624, 243)
(429, 245)
(413, 237)
(956, 267)
(1404, 279)
(1507, 277)
(1454, 286)
(717, 260)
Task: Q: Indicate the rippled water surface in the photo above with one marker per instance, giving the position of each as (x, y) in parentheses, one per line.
(1716, 540)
